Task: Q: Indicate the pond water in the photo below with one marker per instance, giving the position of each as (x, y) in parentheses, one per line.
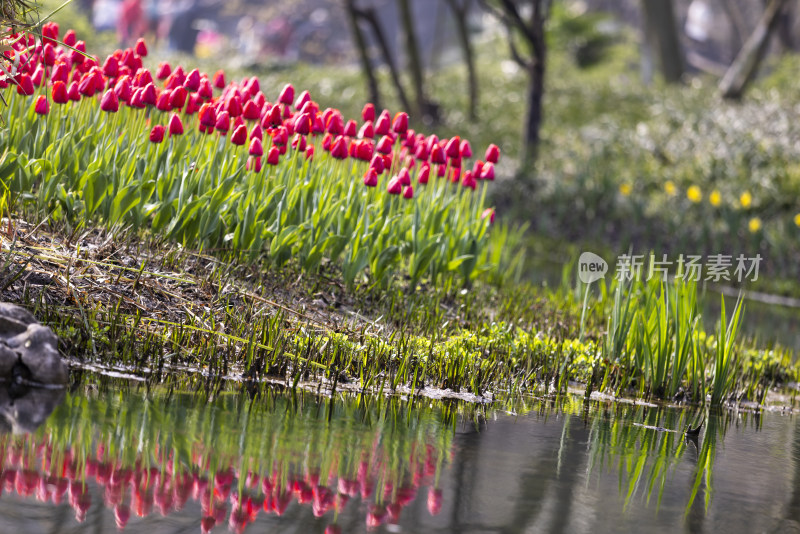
(138, 460)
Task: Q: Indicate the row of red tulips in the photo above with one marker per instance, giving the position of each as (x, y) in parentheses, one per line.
(241, 109)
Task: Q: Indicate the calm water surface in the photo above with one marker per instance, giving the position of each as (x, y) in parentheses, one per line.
(125, 459)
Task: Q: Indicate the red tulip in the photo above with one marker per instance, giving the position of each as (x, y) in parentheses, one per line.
(274, 155)
(469, 181)
(140, 48)
(239, 136)
(385, 145)
(163, 101)
(408, 192)
(488, 212)
(367, 130)
(394, 187)
(404, 176)
(453, 148)
(175, 125)
(123, 88)
(252, 86)
(163, 71)
(178, 97)
(310, 152)
(205, 91)
(339, 148)
(73, 93)
(111, 67)
(383, 123)
(234, 106)
(157, 134)
(50, 33)
(149, 94)
(492, 153)
(400, 122)
(465, 150)
(424, 173)
(219, 79)
(370, 178)
(377, 163)
(223, 122)
(434, 501)
(487, 171)
(70, 38)
(143, 77)
(302, 99)
(438, 155)
(24, 85)
(109, 102)
(299, 142)
(60, 72)
(207, 115)
(60, 95)
(251, 111)
(77, 55)
(368, 113)
(257, 133)
(41, 106)
(49, 55)
(287, 95)
(256, 148)
(192, 81)
(253, 164)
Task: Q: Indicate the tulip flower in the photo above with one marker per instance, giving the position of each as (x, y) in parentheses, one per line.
(385, 144)
(42, 106)
(157, 133)
(302, 100)
(367, 130)
(488, 213)
(438, 155)
(273, 156)
(49, 55)
(149, 94)
(408, 192)
(219, 79)
(175, 125)
(424, 173)
(109, 102)
(377, 163)
(287, 95)
(487, 171)
(453, 148)
(257, 133)
(60, 72)
(60, 95)
(70, 38)
(207, 115)
(310, 152)
(24, 85)
(370, 178)
(163, 71)
(143, 77)
(254, 164)
(404, 177)
(383, 123)
(251, 111)
(111, 67)
(256, 148)
(465, 149)
(140, 48)
(234, 106)
(73, 93)
(239, 136)
(192, 81)
(492, 153)
(223, 123)
(178, 97)
(394, 187)
(123, 88)
(339, 148)
(163, 101)
(400, 122)
(469, 181)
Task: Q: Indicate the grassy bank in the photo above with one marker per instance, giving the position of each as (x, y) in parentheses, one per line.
(161, 224)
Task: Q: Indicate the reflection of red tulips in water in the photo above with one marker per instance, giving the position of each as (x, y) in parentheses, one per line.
(139, 491)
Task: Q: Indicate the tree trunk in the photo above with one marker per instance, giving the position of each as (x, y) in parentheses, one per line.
(536, 72)
(461, 12)
(414, 60)
(363, 53)
(661, 32)
(370, 16)
(746, 64)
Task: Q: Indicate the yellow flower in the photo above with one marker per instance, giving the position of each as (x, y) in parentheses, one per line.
(797, 220)
(694, 194)
(746, 199)
(715, 198)
(625, 189)
(754, 225)
(670, 188)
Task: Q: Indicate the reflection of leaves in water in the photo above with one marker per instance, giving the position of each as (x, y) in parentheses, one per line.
(646, 443)
(255, 454)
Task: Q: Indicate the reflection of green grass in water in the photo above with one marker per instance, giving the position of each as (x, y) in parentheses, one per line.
(258, 453)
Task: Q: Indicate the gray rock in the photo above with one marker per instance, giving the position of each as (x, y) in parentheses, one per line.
(24, 341)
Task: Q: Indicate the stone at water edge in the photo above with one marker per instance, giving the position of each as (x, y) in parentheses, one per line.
(24, 341)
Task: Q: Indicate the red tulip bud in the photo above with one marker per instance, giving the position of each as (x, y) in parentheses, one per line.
(287, 95)
(157, 133)
(368, 113)
(400, 122)
(487, 171)
(367, 130)
(24, 85)
(383, 123)
(219, 79)
(163, 71)
(223, 123)
(239, 136)
(492, 153)
(394, 187)
(370, 178)
(256, 148)
(109, 102)
(408, 192)
(465, 149)
(175, 125)
(488, 212)
(274, 155)
(41, 106)
(70, 38)
(60, 95)
(424, 173)
(192, 81)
